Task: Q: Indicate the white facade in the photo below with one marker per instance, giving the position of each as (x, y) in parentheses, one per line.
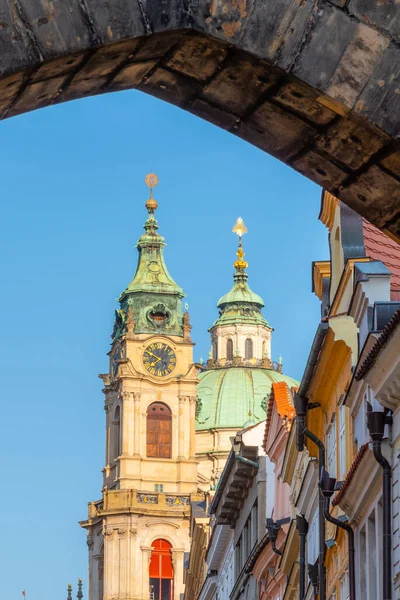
(238, 334)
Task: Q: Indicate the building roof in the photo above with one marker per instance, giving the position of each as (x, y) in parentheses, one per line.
(235, 396)
(350, 475)
(381, 247)
(280, 394)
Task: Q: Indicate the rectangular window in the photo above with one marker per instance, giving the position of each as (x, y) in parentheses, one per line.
(312, 539)
(158, 487)
(344, 587)
(331, 448)
(342, 442)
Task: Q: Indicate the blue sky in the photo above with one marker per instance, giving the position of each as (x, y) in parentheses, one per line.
(72, 210)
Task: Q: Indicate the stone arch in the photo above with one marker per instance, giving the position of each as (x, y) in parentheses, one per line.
(312, 83)
(166, 531)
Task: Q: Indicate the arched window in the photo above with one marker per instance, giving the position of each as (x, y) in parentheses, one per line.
(159, 431)
(117, 433)
(161, 571)
(248, 349)
(229, 350)
(215, 350)
(264, 345)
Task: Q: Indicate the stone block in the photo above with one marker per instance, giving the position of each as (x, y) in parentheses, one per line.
(170, 87)
(198, 57)
(303, 100)
(357, 64)
(392, 163)
(10, 85)
(79, 88)
(132, 74)
(276, 131)
(320, 169)
(38, 94)
(107, 59)
(382, 15)
(351, 142)
(212, 113)
(240, 84)
(379, 101)
(375, 195)
(157, 45)
(329, 34)
(60, 66)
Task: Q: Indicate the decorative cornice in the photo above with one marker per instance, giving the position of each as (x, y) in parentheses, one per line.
(321, 271)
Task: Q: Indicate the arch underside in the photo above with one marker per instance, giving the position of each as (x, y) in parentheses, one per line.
(313, 83)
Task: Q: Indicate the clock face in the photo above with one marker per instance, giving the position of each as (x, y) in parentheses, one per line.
(159, 359)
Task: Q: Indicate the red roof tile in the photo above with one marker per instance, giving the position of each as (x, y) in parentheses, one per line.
(379, 246)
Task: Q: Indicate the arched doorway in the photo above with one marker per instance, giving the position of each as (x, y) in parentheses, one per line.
(161, 571)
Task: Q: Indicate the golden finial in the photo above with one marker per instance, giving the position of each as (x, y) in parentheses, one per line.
(151, 180)
(240, 229)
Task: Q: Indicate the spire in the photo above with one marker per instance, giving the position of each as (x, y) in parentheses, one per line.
(151, 272)
(240, 304)
(152, 301)
(79, 594)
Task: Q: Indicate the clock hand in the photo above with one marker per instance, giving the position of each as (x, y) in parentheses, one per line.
(153, 355)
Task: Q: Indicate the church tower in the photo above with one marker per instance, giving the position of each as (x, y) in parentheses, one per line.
(234, 389)
(139, 531)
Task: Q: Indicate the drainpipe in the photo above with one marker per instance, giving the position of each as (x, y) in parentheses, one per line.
(376, 422)
(327, 487)
(273, 529)
(247, 461)
(302, 528)
(301, 406)
(313, 575)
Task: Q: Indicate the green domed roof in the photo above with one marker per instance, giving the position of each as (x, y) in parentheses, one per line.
(231, 397)
(240, 292)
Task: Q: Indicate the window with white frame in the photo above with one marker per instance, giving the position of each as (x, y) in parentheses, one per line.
(331, 448)
(369, 553)
(344, 587)
(312, 539)
(342, 442)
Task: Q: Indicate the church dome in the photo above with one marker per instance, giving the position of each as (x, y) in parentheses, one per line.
(235, 396)
(239, 293)
(234, 389)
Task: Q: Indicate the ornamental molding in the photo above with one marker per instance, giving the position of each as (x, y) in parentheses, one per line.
(163, 523)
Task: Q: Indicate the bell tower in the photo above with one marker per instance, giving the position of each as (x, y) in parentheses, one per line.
(138, 532)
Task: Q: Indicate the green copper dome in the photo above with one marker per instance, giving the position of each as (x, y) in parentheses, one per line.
(235, 396)
(240, 305)
(240, 292)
